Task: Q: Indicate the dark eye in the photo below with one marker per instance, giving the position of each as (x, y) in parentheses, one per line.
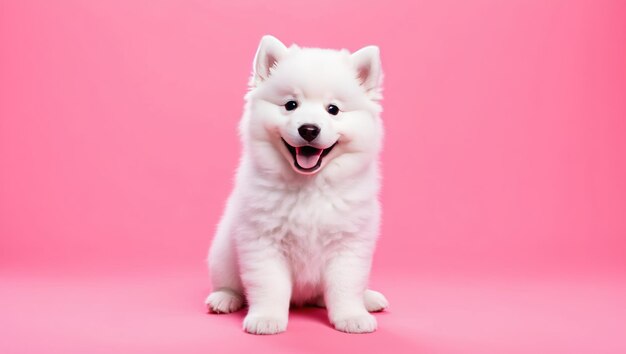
(332, 109)
(291, 105)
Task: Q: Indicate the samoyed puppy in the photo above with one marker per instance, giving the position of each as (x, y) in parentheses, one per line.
(301, 224)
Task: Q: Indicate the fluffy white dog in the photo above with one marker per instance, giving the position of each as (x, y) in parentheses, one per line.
(301, 224)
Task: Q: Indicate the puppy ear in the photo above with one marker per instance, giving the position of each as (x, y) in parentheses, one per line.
(270, 51)
(367, 63)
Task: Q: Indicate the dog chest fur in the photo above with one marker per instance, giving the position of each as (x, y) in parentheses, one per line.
(308, 222)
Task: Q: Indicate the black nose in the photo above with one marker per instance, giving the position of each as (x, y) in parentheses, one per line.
(309, 131)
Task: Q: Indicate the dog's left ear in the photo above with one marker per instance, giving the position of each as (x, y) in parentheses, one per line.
(367, 63)
(270, 51)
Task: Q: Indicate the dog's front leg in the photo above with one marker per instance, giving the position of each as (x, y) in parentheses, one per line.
(267, 282)
(345, 279)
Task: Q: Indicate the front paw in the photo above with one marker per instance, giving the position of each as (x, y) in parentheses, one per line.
(259, 324)
(355, 323)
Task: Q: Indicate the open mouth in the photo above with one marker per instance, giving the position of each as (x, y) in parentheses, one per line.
(307, 158)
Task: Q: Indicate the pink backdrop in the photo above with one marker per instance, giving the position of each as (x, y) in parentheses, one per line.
(504, 171)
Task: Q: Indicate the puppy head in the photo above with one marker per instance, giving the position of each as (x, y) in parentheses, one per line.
(311, 110)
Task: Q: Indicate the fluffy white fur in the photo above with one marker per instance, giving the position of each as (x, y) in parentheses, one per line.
(290, 236)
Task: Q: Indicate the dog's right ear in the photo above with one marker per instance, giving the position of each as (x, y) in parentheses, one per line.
(270, 51)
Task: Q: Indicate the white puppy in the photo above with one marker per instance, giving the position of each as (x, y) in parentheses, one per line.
(301, 224)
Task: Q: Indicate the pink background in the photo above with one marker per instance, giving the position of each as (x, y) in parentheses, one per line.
(504, 167)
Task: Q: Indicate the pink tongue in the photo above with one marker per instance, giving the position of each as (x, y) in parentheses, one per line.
(308, 161)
